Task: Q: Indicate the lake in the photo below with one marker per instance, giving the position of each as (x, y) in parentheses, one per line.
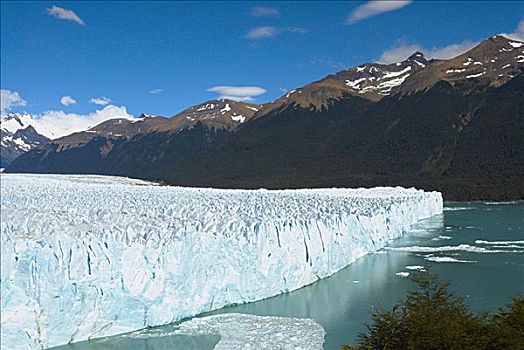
(478, 247)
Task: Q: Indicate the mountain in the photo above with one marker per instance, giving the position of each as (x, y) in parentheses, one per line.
(494, 62)
(91, 151)
(21, 132)
(215, 114)
(450, 125)
(17, 137)
(371, 81)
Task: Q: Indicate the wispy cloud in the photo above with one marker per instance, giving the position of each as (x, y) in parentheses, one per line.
(518, 34)
(101, 101)
(264, 32)
(373, 8)
(403, 51)
(322, 61)
(10, 99)
(237, 93)
(260, 11)
(67, 100)
(65, 14)
(156, 91)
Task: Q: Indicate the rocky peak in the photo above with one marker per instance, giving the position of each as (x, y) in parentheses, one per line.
(371, 81)
(492, 63)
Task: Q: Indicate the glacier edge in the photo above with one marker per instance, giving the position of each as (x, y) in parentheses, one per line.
(90, 256)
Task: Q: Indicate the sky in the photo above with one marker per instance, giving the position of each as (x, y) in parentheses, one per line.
(80, 59)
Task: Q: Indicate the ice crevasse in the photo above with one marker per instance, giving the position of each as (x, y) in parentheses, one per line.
(90, 256)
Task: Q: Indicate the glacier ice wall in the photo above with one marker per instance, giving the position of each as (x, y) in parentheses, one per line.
(91, 256)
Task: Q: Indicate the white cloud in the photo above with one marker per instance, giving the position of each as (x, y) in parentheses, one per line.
(55, 124)
(101, 101)
(237, 93)
(64, 14)
(518, 34)
(403, 51)
(10, 99)
(259, 11)
(156, 91)
(67, 100)
(264, 32)
(373, 8)
(237, 98)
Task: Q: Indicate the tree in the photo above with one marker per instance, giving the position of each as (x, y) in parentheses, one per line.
(433, 318)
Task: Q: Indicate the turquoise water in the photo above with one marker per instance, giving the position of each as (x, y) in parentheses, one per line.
(487, 240)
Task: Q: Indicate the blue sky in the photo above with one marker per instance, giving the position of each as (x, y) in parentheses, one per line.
(161, 57)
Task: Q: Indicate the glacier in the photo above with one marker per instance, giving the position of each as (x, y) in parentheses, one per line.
(90, 256)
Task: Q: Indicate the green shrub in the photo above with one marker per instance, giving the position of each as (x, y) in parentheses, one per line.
(433, 318)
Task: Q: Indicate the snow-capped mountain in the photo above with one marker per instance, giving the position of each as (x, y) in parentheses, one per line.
(492, 63)
(21, 132)
(375, 80)
(17, 137)
(56, 124)
(371, 81)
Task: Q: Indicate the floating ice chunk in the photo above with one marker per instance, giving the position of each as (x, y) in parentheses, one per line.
(402, 274)
(501, 203)
(458, 208)
(460, 247)
(243, 331)
(414, 267)
(447, 259)
(479, 241)
(440, 238)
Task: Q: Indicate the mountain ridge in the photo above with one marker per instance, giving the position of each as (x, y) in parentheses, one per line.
(380, 125)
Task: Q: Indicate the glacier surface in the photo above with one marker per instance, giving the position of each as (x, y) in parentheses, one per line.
(91, 256)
